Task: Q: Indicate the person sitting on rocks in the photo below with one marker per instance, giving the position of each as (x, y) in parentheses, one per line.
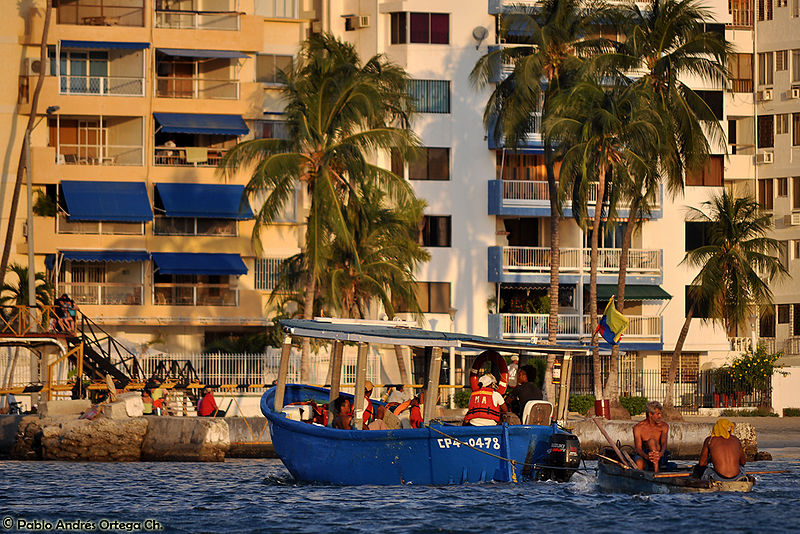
(147, 400)
(725, 451)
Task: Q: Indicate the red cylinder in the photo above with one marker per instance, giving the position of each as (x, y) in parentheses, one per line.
(602, 408)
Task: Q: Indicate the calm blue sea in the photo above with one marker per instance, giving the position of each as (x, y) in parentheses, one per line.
(260, 496)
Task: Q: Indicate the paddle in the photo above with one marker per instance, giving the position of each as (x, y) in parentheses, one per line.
(675, 475)
(613, 445)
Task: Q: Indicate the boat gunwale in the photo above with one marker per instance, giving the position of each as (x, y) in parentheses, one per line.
(674, 484)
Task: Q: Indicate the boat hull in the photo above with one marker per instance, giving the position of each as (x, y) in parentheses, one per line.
(612, 478)
(433, 455)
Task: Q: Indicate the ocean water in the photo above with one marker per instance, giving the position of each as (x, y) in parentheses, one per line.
(259, 496)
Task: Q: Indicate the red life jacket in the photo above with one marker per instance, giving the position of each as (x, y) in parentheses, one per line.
(482, 405)
(369, 411)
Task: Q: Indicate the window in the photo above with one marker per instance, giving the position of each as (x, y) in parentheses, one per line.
(766, 131)
(796, 193)
(433, 297)
(782, 124)
(795, 129)
(795, 249)
(796, 63)
(688, 367)
(270, 129)
(276, 9)
(269, 65)
(697, 234)
(711, 175)
(700, 310)
(509, 166)
(765, 68)
(764, 10)
(432, 164)
(266, 273)
(765, 193)
(796, 319)
(783, 3)
(104, 283)
(781, 62)
(81, 72)
(431, 96)
(610, 237)
(766, 322)
(436, 230)
(433, 28)
(194, 290)
(783, 314)
(782, 185)
(741, 12)
(741, 72)
(193, 226)
(796, 8)
(713, 100)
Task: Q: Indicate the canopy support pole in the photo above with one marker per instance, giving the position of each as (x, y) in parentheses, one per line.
(361, 378)
(283, 371)
(432, 391)
(336, 369)
(566, 381)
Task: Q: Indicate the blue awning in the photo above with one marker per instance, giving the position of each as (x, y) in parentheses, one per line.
(122, 256)
(208, 201)
(186, 52)
(104, 45)
(201, 124)
(107, 201)
(198, 263)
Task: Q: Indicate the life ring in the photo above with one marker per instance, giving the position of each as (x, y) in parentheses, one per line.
(497, 360)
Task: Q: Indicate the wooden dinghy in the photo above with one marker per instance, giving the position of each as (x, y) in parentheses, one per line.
(613, 477)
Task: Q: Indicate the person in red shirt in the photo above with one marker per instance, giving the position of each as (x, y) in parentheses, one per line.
(415, 416)
(208, 405)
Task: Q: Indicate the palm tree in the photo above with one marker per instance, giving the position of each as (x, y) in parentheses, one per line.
(17, 294)
(604, 133)
(339, 112)
(552, 42)
(737, 264)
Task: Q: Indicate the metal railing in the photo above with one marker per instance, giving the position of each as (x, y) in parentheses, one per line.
(188, 156)
(198, 20)
(195, 295)
(537, 190)
(537, 259)
(100, 12)
(105, 293)
(19, 320)
(72, 154)
(101, 85)
(527, 325)
(177, 87)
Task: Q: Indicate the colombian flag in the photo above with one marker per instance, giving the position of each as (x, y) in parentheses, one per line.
(612, 324)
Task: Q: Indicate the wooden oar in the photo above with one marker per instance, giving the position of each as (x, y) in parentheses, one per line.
(613, 460)
(610, 442)
(675, 475)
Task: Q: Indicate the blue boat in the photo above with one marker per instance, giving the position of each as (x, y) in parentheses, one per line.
(437, 453)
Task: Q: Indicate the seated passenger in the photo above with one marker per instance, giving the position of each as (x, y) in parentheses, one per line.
(725, 451)
(415, 417)
(378, 423)
(526, 390)
(485, 405)
(650, 439)
(344, 413)
(369, 409)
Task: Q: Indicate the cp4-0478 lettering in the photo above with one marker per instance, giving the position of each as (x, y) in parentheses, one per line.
(478, 443)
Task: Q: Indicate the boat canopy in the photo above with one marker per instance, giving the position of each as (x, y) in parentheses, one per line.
(392, 333)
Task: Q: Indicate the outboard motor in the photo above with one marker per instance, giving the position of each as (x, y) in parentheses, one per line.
(564, 456)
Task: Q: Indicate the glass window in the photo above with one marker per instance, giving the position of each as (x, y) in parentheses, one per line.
(796, 63)
(398, 28)
(269, 65)
(782, 124)
(796, 193)
(697, 234)
(765, 70)
(279, 9)
(711, 175)
(741, 72)
(766, 131)
(266, 273)
(782, 186)
(781, 62)
(433, 28)
(430, 164)
(765, 195)
(713, 100)
(431, 96)
(432, 297)
(783, 314)
(436, 231)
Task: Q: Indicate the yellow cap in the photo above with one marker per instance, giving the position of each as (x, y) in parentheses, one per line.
(368, 385)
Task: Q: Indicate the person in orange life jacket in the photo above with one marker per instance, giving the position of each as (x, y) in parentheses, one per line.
(485, 405)
(369, 409)
(208, 405)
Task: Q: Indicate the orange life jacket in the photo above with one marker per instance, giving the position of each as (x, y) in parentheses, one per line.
(482, 405)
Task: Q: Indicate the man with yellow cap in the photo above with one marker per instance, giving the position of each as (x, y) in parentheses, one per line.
(725, 451)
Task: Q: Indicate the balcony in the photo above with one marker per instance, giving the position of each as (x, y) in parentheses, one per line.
(572, 327)
(106, 294)
(100, 12)
(102, 85)
(532, 265)
(88, 140)
(193, 156)
(531, 198)
(187, 15)
(195, 295)
(197, 88)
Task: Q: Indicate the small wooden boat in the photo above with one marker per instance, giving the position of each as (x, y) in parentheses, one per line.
(612, 477)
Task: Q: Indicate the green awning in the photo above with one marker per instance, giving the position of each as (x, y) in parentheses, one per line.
(604, 292)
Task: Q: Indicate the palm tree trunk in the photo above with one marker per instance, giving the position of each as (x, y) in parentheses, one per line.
(598, 212)
(555, 262)
(673, 365)
(401, 364)
(308, 313)
(22, 165)
(612, 383)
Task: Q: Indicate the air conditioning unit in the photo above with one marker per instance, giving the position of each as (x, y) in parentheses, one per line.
(795, 92)
(792, 219)
(32, 67)
(363, 21)
(766, 95)
(764, 157)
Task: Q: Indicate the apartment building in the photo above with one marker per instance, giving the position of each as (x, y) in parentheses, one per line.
(146, 96)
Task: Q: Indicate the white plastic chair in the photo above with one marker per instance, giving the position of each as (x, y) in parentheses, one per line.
(537, 412)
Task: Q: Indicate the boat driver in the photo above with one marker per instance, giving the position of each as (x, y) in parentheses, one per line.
(650, 439)
(724, 450)
(486, 405)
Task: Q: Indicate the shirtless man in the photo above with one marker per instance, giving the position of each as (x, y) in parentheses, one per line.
(650, 438)
(344, 413)
(724, 451)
